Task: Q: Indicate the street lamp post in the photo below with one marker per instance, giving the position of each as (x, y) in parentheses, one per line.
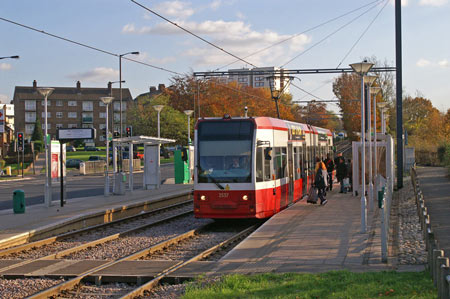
(374, 90)
(369, 81)
(46, 92)
(383, 108)
(107, 101)
(189, 113)
(276, 92)
(158, 109)
(11, 57)
(362, 68)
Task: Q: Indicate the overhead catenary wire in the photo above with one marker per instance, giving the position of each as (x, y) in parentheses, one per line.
(362, 34)
(329, 35)
(303, 32)
(191, 33)
(86, 46)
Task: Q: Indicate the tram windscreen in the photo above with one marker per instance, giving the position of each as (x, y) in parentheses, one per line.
(224, 151)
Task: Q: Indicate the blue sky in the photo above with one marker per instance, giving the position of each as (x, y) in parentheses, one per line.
(240, 27)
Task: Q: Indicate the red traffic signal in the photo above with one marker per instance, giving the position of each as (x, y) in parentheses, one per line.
(20, 140)
(128, 131)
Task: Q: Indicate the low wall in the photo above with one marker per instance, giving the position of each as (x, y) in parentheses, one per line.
(92, 167)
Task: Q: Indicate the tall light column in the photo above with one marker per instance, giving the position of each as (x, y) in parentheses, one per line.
(383, 109)
(107, 101)
(362, 68)
(369, 81)
(189, 113)
(46, 92)
(120, 88)
(158, 109)
(374, 90)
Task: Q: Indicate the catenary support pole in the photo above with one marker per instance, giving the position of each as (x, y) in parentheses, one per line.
(398, 77)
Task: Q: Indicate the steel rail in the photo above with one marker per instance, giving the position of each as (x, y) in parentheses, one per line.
(96, 242)
(63, 236)
(155, 281)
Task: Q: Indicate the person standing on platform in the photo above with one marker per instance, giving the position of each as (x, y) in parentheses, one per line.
(329, 163)
(341, 172)
(320, 180)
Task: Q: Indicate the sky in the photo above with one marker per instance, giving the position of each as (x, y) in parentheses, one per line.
(297, 34)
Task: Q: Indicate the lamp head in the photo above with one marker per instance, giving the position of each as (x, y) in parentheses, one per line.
(374, 90)
(45, 91)
(106, 100)
(188, 112)
(382, 105)
(158, 107)
(370, 79)
(361, 68)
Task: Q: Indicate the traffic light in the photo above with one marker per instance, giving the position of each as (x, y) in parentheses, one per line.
(104, 131)
(20, 141)
(129, 131)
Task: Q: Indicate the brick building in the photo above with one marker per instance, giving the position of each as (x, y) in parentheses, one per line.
(70, 107)
(6, 127)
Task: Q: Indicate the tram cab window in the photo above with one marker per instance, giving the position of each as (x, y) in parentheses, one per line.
(259, 164)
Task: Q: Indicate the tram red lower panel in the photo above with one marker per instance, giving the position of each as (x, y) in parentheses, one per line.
(298, 189)
(262, 203)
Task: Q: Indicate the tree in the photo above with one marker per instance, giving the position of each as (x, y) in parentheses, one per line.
(314, 113)
(37, 132)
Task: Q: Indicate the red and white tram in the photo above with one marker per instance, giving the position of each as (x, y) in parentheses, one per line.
(253, 167)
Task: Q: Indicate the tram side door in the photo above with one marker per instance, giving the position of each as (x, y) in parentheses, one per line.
(290, 161)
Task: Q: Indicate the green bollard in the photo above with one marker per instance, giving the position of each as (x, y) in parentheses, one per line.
(19, 201)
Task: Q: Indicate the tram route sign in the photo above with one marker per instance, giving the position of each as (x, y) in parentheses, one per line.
(75, 133)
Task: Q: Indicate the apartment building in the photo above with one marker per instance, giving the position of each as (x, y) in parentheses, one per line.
(6, 127)
(259, 77)
(70, 107)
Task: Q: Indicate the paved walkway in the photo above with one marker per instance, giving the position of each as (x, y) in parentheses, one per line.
(311, 238)
(435, 185)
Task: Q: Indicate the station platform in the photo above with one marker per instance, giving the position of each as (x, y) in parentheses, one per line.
(311, 238)
(40, 218)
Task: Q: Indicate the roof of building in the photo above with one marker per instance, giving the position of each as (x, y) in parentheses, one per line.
(72, 93)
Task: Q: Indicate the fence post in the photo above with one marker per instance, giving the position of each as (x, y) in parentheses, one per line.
(436, 254)
(442, 274)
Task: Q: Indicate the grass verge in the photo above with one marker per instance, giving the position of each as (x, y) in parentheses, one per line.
(334, 284)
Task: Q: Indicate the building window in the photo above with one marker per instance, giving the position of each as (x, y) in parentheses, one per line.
(259, 84)
(87, 126)
(49, 114)
(29, 128)
(72, 103)
(102, 114)
(72, 115)
(117, 106)
(58, 126)
(102, 126)
(101, 138)
(117, 117)
(71, 126)
(242, 79)
(30, 105)
(49, 103)
(88, 106)
(30, 117)
(59, 103)
(59, 114)
(259, 78)
(101, 104)
(49, 126)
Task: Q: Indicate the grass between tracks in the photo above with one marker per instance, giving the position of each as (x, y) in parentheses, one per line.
(334, 284)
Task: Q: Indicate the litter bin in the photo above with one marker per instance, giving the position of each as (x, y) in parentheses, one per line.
(19, 201)
(8, 170)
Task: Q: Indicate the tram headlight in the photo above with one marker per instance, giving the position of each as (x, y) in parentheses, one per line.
(245, 197)
(203, 197)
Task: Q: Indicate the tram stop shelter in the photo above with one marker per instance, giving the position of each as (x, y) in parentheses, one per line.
(152, 174)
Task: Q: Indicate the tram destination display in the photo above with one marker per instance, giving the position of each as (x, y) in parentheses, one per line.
(75, 133)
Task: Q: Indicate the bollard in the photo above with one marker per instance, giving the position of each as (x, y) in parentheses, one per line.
(447, 279)
(436, 254)
(442, 274)
(431, 247)
(19, 201)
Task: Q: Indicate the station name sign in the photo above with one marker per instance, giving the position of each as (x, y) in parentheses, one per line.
(75, 133)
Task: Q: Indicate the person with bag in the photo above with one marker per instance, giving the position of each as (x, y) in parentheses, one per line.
(329, 163)
(320, 180)
(341, 172)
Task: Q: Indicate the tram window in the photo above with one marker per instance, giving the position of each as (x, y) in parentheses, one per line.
(267, 174)
(259, 165)
(296, 163)
(284, 172)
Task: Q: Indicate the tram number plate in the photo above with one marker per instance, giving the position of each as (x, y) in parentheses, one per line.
(224, 195)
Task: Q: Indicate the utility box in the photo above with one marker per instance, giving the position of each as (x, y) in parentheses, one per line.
(181, 166)
(19, 201)
(120, 179)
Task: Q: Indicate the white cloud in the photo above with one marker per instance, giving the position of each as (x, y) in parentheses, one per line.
(444, 63)
(433, 2)
(423, 62)
(215, 4)
(5, 66)
(240, 15)
(177, 9)
(99, 74)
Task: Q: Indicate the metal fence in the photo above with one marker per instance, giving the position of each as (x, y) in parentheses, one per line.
(437, 262)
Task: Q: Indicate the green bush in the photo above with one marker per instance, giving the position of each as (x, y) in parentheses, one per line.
(39, 146)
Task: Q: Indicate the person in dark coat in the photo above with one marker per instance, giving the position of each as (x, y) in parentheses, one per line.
(341, 172)
(320, 180)
(329, 163)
